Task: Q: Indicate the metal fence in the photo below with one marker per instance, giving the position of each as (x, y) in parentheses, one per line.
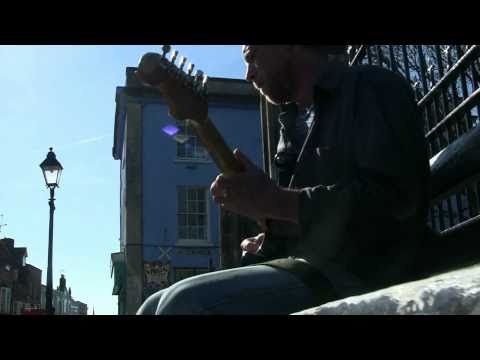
(446, 83)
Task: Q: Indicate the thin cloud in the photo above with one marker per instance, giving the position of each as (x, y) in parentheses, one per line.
(84, 141)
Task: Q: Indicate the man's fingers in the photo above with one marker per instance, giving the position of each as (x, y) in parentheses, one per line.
(249, 246)
(214, 189)
(243, 159)
(252, 244)
(223, 186)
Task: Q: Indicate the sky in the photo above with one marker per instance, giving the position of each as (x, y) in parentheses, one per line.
(64, 97)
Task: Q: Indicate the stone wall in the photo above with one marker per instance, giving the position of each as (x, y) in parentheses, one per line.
(453, 293)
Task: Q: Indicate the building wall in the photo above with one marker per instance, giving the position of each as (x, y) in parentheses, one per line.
(163, 172)
(30, 278)
(133, 207)
(82, 309)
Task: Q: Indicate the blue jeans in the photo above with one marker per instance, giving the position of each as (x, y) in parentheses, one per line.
(253, 290)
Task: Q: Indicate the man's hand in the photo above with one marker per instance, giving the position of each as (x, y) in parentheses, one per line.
(250, 193)
(253, 244)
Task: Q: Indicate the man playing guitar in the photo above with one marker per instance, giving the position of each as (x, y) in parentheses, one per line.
(351, 208)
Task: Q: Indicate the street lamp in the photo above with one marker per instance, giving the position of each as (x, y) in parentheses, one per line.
(52, 170)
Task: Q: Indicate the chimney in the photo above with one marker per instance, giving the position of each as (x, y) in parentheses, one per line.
(9, 243)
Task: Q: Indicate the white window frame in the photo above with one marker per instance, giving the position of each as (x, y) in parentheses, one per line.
(199, 152)
(187, 241)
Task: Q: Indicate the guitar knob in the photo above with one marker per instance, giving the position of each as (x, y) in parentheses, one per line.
(165, 49)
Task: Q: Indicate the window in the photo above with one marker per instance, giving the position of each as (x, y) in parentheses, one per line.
(5, 300)
(192, 222)
(183, 273)
(18, 306)
(190, 148)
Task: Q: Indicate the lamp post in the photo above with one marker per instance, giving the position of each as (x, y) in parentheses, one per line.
(51, 169)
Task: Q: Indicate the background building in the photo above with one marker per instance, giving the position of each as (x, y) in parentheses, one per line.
(19, 282)
(63, 302)
(169, 226)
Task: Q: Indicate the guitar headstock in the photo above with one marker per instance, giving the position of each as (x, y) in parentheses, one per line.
(185, 93)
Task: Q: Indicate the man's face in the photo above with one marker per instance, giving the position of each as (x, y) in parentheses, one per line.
(268, 68)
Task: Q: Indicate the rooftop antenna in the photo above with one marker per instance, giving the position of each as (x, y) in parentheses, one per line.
(2, 224)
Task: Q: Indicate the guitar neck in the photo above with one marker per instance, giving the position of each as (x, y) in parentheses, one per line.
(216, 146)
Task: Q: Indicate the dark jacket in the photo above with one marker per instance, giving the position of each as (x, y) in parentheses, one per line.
(364, 175)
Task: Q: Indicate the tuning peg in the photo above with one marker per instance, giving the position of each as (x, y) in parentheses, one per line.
(174, 57)
(196, 82)
(190, 69)
(204, 89)
(165, 49)
(196, 79)
(183, 60)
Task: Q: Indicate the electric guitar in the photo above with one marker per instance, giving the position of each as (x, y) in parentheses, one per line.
(186, 97)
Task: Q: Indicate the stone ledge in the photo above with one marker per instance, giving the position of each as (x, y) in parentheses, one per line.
(453, 293)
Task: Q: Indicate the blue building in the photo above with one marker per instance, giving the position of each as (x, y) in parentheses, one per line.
(169, 225)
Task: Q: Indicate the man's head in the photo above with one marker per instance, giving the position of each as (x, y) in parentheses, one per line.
(275, 69)
(268, 68)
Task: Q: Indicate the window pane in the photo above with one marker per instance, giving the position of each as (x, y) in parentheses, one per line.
(192, 220)
(201, 232)
(180, 150)
(182, 232)
(182, 220)
(201, 207)
(192, 148)
(181, 126)
(193, 207)
(182, 201)
(189, 149)
(186, 128)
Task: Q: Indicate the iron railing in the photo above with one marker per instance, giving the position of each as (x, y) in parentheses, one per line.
(446, 83)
